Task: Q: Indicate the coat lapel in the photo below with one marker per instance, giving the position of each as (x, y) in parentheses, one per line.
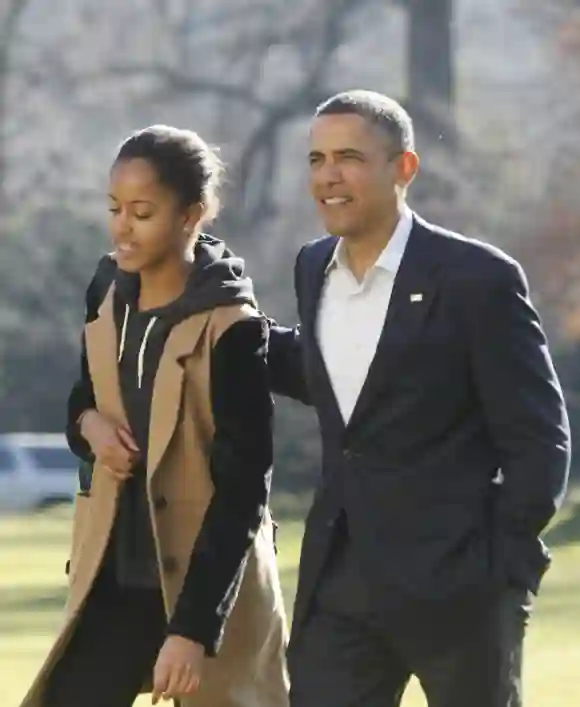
(413, 292)
(168, 386)
(102, 350)
(102, 347)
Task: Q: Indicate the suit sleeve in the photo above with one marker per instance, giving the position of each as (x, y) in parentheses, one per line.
(523, 405)
(285, 367)
(82, 395)
(241, 469)
(285, 362)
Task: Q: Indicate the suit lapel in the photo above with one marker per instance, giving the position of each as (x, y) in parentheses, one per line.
(168, 386)
(413, 292)
(314, 278)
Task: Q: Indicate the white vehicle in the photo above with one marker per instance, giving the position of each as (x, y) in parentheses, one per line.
(36, 471)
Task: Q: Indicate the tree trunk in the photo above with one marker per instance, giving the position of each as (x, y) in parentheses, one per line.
(431, 76)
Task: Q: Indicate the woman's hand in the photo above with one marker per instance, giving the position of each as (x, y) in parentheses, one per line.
(113, 445)
(177, 672)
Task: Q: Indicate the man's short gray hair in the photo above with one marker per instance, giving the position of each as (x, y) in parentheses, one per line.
(381, 111)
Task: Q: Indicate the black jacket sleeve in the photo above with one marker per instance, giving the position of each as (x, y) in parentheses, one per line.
(241, 468)
(524, 409)
(82, 396)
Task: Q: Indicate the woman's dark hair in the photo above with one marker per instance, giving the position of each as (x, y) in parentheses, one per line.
(183, 161)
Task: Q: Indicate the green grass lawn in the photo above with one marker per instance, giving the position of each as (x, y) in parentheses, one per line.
(34, 550)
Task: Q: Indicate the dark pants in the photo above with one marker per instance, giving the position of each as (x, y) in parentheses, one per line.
(465, 651)
(113, 650)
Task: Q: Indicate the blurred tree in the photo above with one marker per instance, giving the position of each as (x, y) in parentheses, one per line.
(430, 94)
(308, 40)
(10, 12)
(431, 69)
(550, 249)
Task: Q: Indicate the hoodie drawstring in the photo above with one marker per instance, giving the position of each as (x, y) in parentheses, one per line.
(141, 356)
(123, 334)
(142, 348)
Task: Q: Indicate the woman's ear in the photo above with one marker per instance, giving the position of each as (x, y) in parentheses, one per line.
(193, 218)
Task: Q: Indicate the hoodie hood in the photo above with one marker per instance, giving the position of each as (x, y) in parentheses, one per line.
(217, 279)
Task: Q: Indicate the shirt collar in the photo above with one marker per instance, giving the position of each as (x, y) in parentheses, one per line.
(391, 256)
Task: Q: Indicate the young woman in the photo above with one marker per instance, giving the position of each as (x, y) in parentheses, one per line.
(173, 581)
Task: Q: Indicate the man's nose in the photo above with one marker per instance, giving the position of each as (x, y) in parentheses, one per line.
(329, 173)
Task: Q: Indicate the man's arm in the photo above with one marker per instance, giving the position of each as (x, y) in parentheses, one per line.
(522, 402)
(285, 364)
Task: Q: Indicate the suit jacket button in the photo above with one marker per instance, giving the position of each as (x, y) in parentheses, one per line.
(169, 565)
(160, 503)
(347, 454)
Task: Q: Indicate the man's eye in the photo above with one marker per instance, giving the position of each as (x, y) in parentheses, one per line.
(113, 210)
(143, 217)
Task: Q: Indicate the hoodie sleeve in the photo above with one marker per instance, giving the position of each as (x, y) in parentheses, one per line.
(82, 396)
(241, 468)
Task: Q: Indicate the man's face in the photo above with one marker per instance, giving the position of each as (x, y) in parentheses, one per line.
(354, 177)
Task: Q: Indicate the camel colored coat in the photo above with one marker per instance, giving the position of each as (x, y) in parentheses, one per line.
(250, 669)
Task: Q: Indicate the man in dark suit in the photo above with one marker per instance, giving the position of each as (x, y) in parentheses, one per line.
(446, 442)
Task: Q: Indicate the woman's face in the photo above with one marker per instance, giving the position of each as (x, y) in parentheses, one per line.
(148, 225)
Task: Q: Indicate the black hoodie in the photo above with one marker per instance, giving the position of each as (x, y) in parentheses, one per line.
(238, 367)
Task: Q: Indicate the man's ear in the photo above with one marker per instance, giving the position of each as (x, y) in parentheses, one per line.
(408, 168)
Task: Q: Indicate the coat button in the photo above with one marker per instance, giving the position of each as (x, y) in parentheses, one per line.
(160, 503)
(347, 454)
(169, 565)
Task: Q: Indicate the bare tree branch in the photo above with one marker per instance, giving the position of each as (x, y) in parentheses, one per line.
(261, 148)
(177, 82)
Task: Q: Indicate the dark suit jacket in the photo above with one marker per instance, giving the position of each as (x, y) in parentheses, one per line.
(461, 386)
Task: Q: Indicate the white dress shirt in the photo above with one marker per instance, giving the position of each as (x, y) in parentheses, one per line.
(352, 315)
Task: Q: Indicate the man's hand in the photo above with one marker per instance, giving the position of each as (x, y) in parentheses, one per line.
(113, 445)
(178, 668)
